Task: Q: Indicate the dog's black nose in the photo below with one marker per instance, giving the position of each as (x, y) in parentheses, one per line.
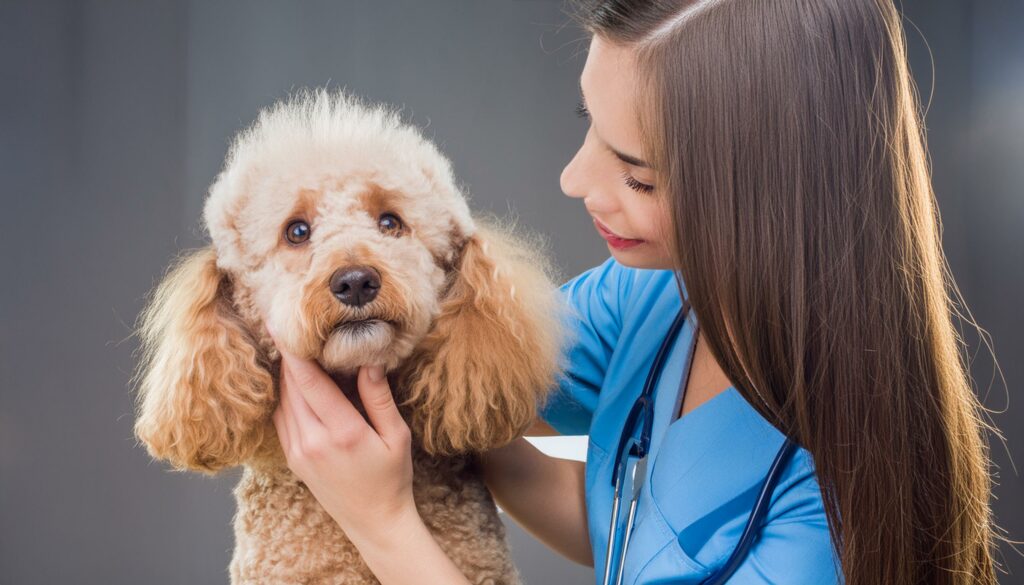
(355, 285)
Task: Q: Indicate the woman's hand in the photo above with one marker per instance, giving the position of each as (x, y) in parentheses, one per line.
(360, 474)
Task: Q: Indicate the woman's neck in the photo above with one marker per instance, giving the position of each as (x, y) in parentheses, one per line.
(707, 379)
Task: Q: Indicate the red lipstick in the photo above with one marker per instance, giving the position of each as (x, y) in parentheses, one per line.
(614, 240)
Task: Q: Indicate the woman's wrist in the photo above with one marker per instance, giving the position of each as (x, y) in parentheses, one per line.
(403, 551)
(387, 534)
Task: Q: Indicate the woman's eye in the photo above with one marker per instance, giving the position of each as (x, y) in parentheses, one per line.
(389, 223)
(635, 185)
(297, 232)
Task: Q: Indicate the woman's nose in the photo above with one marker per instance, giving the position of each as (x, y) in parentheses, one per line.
(571, 181)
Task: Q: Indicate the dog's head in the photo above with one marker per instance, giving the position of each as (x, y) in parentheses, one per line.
(343, 224)
(344, 228)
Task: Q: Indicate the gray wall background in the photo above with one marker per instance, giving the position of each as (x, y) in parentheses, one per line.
(115, 116)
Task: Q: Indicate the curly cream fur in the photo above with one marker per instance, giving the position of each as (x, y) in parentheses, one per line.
(465, 321)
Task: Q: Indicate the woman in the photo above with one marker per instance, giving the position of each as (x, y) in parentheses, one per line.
(769, 153)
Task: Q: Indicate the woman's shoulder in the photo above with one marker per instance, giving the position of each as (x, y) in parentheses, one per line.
(610, 307)
(799, 497)
(620, 290)
(796, 544)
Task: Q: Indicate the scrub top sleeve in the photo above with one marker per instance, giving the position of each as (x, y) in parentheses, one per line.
(595, 301)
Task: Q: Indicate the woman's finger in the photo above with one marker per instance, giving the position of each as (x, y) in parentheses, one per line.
(288, 428)
(379, 403)
(319, 391)
(316, 393)
(306, 432)
(301, 412)
(296, 407)
(280, 418)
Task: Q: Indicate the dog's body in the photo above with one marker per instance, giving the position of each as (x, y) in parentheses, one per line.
(343, 228)
(282, 535)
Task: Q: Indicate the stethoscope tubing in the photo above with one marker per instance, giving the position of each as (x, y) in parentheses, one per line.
(752, 529)
(637, 447)
(645, 404)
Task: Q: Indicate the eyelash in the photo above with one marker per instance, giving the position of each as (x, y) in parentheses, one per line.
(631, 182)
(582, 111)
(635, 185)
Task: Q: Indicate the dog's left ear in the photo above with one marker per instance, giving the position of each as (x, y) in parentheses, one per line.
(477, 379)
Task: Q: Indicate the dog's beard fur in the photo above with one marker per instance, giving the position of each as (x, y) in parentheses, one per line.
(354, 343)
(380, 337)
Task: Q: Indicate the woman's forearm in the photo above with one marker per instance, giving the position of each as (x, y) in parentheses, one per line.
(543, 494)
(405, 553)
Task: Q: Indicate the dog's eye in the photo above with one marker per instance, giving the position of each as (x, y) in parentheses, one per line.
(389, 223)
(297, 232)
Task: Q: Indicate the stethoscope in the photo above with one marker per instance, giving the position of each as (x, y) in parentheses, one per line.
(634, 448)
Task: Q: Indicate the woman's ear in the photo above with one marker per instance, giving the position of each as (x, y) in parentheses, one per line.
(477, 379)
(205, 395)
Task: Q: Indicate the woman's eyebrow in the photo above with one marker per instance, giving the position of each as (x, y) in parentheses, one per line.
(628, 159)
(631, 160)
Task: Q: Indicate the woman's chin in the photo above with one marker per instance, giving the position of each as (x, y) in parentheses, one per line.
(641, 256)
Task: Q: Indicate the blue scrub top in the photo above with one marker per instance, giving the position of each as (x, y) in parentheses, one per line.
(704, 469)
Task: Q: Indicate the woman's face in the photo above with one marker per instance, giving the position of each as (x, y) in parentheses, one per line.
(609, 173)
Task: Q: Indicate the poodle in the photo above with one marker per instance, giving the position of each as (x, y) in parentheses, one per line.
(343, 227)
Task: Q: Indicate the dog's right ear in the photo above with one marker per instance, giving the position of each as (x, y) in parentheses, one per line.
(205, 395)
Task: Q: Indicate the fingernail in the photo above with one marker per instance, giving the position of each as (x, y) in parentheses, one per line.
(376, 373)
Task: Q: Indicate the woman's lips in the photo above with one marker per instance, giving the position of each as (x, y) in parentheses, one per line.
(613, 239)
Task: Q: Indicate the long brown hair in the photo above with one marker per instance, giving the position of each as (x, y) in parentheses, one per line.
(787, 136)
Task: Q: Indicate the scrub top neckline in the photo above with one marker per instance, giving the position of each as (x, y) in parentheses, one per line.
(689, 353)
(667, 400)
(699, 406)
